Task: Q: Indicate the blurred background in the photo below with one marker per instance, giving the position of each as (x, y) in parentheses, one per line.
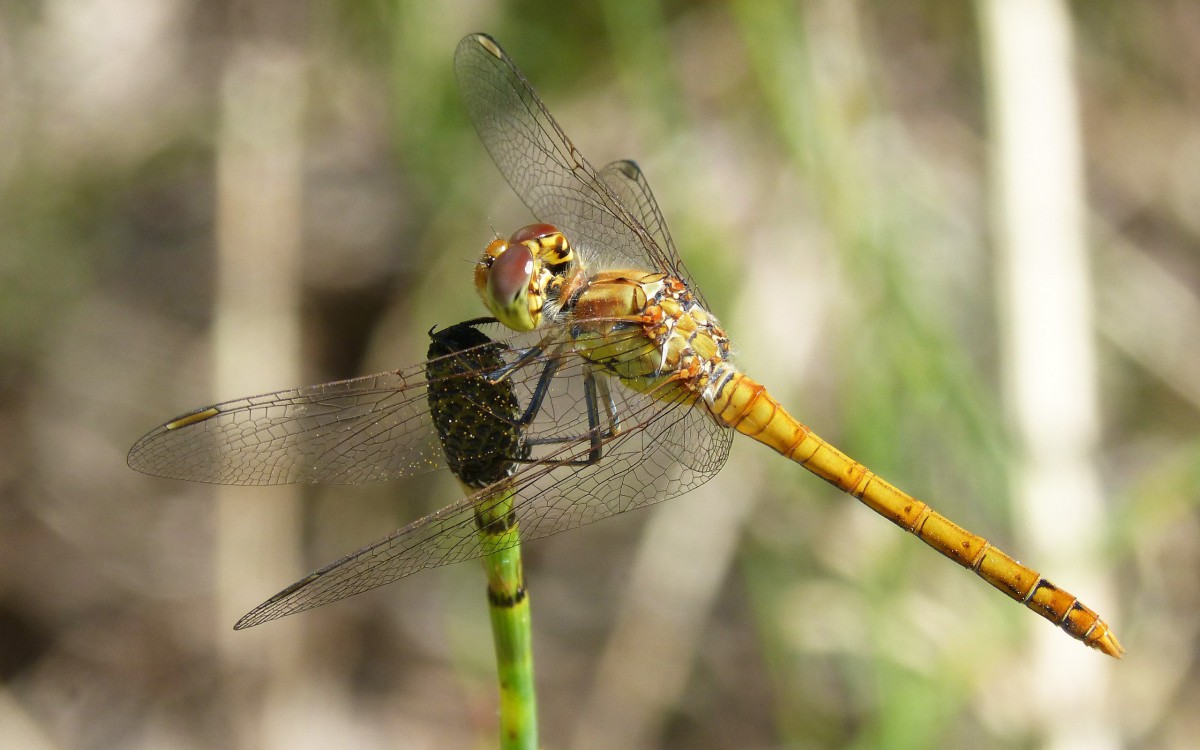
(957, 239)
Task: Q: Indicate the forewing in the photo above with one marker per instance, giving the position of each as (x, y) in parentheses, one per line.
(367, 429)
(661, 449)
(544, 167)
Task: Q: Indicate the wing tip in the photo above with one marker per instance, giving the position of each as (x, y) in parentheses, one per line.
(487, 41)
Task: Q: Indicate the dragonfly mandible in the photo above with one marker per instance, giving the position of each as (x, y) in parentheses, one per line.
(627, 390)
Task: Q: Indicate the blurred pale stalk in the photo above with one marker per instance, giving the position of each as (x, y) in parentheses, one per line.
(257, 339)
(1141, 295)
(1049, 358)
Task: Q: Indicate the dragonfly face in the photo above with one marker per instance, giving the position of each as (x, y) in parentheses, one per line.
(523, 279)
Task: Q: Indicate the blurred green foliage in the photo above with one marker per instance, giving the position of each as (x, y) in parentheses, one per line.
(833, 154)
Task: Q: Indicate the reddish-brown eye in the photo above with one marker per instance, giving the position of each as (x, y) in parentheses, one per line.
(532, 232)
(509, 274)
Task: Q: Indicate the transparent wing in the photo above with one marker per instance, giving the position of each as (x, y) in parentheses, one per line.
(547, 171)
(367, 429)
(594, 451)
(378, 427)
(628, 183)
(661, 450)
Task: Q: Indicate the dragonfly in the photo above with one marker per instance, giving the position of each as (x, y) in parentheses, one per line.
(629, 395)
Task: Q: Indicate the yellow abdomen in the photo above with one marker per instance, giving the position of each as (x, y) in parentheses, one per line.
(746, 406)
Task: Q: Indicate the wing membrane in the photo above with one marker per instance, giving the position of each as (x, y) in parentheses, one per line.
(367, 429)
(544, 167)
(379, 427)
(664, 450)
(628, 183)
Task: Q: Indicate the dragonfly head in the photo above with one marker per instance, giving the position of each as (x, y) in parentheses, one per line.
(516, 277)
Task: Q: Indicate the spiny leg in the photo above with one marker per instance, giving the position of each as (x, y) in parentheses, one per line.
(596, 435)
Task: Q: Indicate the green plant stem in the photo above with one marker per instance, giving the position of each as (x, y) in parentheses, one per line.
(508, 605)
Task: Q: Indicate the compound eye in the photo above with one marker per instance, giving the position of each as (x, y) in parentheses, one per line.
(509, 275)
(532, 232)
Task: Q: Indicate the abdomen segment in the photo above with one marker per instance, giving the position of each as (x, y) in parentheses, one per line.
(747, 407)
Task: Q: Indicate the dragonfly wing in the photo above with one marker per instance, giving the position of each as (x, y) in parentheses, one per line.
(544, 167)
(659, 450)
(449, 535)
(627, 181)
(367, 429)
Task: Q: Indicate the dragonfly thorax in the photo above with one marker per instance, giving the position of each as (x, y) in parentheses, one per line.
(522, 279)
(650, 331)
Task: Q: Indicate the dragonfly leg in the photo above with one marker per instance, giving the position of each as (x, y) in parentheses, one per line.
(614, 419)
(593, 411)
(597, 434)
(498, 376)
(539, 393)
(592, 390)
(543, 386)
